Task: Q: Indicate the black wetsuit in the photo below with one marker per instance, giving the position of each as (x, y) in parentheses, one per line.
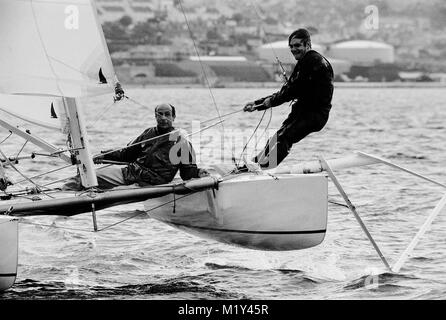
(311, 86)
(153, 162)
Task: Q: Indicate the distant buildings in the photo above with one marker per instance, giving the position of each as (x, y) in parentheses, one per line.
(138, 10)
(269, 51)
(221, 31)
(342, 55)
(361, 52)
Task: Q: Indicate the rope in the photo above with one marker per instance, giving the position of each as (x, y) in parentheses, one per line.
(101, 113)
(203, 70)
(21, 149)
(199, 58)
(202, 122)
(18, 171)
(254, 4)
(45, 173)
(162, 135)
(53, 226)
(246, 145)
(266, 128)
(136, 102)
(10, 134)
(338, 204)
(223, 115)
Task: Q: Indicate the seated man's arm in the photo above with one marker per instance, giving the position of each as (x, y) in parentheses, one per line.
(129, 153)
(188, 167)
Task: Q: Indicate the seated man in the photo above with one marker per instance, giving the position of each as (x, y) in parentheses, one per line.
(153, 158)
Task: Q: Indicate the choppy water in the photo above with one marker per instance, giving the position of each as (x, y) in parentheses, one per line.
(145, 259)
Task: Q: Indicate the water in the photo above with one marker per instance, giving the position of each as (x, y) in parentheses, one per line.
(144, 259)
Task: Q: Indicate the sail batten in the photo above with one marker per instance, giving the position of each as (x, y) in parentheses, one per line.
(56, 49)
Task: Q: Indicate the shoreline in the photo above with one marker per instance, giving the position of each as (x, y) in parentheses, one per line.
(259, 85)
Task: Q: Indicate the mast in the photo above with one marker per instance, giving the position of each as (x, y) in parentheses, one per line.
(79, 142)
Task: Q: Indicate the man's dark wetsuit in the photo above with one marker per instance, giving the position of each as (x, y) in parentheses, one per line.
(311, 84)
(158, 160)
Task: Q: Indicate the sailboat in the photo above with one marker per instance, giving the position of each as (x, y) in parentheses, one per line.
(55, 57)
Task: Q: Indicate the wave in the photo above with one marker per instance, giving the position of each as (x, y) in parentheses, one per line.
(216, 266)
(31, 289)
(383, 281)
(401, 155)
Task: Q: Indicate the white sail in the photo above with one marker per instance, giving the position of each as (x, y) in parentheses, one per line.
(53, 48)
(41, 111)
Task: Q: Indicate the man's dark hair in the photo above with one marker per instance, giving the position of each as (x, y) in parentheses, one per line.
(173, 110)
(301, 34)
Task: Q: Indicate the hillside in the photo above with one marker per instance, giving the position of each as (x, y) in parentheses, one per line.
(417, 29)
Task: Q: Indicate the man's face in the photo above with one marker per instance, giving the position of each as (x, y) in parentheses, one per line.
(298, 49)
(164, 116)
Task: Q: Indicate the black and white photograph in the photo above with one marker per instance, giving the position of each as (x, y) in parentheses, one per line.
(222, 154)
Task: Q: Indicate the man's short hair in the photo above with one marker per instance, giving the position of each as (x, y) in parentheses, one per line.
(171, 106)
(301, 34)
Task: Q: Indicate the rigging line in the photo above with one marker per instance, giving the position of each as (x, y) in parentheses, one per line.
(246, 145)
(266, 128)
(10, 134)
(208, 120)
(137, 103)
(21, 149)
(102, 113)
(254, 4)
(338, 204)
(53, 226)
(202, 67)
(45, 173)
(163, 135)
(18, 171)
(223, 115)
(63, 179)
(56, 181)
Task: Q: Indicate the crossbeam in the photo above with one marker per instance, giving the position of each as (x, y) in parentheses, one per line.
(35, 140)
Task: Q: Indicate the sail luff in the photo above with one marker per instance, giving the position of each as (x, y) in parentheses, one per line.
(104, 42)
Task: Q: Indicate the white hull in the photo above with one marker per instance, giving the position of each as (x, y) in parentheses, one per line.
(8, 251)
(253, 211)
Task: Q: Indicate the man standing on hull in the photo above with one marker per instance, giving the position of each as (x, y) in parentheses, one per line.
(311, 87)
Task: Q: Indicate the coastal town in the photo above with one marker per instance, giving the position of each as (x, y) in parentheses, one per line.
(227, 42)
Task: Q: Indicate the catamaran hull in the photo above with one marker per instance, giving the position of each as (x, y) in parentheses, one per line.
(8, 251)
(252, 211)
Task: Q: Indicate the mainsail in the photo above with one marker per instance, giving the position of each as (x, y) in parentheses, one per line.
(53, 48)
(53, 53)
